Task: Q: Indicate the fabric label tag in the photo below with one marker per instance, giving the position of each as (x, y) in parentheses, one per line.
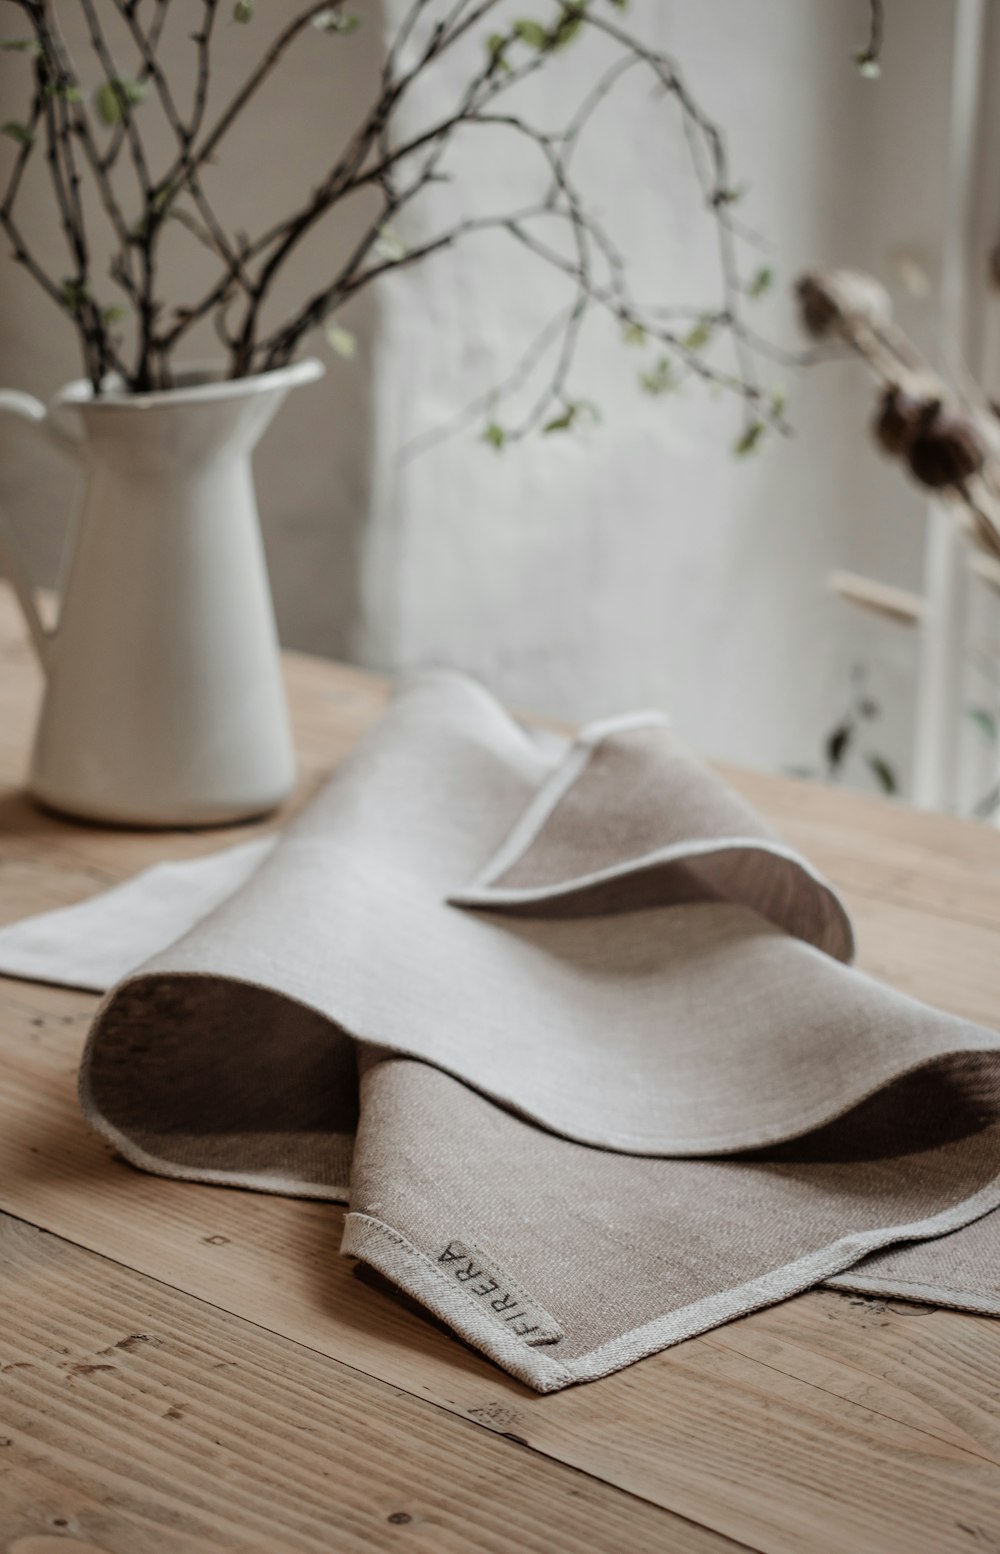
(498, 1293)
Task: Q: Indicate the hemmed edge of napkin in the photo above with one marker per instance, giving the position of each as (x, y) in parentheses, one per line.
(279, 1186)
(555, 786)
(56, 947)
(403, 1264)
(135, 1155)
(626, 1143)
(482, 892)
(916, 1291)
(391, 1254)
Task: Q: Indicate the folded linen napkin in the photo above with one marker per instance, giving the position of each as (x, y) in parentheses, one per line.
(568, 1028)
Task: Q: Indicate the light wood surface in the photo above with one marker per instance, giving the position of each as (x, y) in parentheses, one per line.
(195, 1369)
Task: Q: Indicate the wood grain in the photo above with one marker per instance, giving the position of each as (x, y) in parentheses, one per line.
(825, 1424)
(141, 1421)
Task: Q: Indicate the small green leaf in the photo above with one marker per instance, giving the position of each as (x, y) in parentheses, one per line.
(761, 282)
(114, 314)
(65, 91)
(495, 435)
(20, 46)
(837, 745)
(575, 411)
(729, 195)
(700, 335)
(633, 333)
(569, 24)
(74, 295)
(336, 20)
(496, 46)
(867, 66)
(778, 403)
(566, 31)
(619, 5)
(562, 422)
(749, 439)
(883, 773)
(985, 722)
(533, 33)
(659, 379)
(243, 11)
(19, 132)
(389, 246)
(341, 341)
(113, 97)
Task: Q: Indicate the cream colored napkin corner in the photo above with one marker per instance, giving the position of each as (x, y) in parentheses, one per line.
(574, 1034)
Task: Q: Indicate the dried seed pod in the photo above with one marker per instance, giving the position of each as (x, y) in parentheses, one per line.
(859, 296)
(994, 267)
(831, 298)
(898, 416)
(817, 310)
(945, 451)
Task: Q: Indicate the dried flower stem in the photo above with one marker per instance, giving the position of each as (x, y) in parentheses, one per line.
(950, 446)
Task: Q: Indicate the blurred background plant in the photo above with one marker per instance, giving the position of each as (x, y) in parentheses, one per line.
(567, 259)
(88, 118)
(851, 745)
(945, 435)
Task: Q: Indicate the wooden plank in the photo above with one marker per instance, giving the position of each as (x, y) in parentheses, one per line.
(951, 964)
(799, 1441)
(790, 803)
(942, 1377)
(813, 1427)
(145, 1422)
(901, 874)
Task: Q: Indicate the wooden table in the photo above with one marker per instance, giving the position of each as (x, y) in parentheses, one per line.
(186, 1368)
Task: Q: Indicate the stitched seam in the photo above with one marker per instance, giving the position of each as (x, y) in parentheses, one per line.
(379, 1228)
(921, 1284)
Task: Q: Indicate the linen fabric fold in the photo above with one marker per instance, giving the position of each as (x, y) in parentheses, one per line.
(572, 1033)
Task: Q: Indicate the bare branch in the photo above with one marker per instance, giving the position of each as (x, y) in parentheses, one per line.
(562, 229)
(869, 58)
(203, 43)
(251, 86)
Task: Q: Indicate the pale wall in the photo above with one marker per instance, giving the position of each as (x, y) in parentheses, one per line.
(643, 564)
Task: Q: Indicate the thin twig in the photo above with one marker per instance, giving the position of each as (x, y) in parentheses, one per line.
(563, 229)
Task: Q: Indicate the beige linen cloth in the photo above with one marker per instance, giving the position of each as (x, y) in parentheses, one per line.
(568, 1028)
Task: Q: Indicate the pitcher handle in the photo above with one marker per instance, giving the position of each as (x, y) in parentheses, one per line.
(12, 564)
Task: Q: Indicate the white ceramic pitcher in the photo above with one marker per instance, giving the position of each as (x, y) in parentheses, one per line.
(164, 704)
